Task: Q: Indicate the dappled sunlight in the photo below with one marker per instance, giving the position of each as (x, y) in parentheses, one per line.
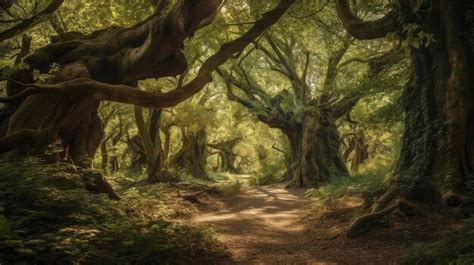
(263, 218)
(170, 132)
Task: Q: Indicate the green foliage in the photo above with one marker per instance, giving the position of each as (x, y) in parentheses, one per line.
(416, 38)
(49, 218)
(369, 183)
(230, 187)
(456, 248)
(268, 174)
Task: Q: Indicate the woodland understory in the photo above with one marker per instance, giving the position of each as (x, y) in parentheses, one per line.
(126, 123)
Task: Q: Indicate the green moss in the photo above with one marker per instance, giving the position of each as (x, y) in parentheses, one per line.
(49, 218)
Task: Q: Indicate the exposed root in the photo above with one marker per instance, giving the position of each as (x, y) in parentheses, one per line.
(96, 183)
(362, 223)
(194, 198)
(388, 196)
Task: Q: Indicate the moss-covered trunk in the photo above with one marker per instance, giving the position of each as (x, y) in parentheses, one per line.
(437, 142)
(192, 155)
(315, 155)
(437, 153)
(226, 162)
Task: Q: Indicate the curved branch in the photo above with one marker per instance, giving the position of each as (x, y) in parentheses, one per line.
(85, 88)
(30, 22)
(365, 30)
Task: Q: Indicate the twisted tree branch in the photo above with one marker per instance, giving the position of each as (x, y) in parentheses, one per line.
(86, 88)
(365, 30)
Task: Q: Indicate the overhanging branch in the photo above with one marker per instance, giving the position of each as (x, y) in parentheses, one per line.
(30, 22)
(365, 30)
(85, 88)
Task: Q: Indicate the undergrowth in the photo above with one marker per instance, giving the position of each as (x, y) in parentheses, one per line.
(456, 248)
(267, 174)
(47, 217)
(366, 186)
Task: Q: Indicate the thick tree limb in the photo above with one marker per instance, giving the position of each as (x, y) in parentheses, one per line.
(345, 105)
(85, 88)
(30, 22)
(365, 30)
(25, 48)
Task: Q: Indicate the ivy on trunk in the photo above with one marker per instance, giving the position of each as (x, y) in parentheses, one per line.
(437, 151)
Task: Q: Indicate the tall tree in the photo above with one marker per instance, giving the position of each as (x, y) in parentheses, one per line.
(437, 144)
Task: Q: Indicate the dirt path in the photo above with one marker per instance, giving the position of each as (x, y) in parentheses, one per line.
(263, 225)
(266, 225)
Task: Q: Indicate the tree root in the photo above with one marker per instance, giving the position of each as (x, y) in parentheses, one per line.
(362, 223)
(194, 198)
(96, 183)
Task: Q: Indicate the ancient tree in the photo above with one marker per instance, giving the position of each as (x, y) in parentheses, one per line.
(192, 155)
(227, 156)
(106, 65)
(437, 149)
(356, 148)
(305, 117)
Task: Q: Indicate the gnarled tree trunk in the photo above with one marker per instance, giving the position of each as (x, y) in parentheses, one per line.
(315, 156)
(192, 156)
(106, 65)
(437, 151)
(226, 155)
(115, 55)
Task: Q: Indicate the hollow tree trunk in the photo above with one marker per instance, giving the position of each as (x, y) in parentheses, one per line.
(192, 155)
(315, 156)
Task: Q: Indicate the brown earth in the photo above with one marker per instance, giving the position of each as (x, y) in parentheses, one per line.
(274, 225)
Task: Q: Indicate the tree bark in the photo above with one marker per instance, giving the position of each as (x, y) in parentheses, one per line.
(315, 156)
(192, 156)
(437, 151)
(226, 162)
(106, 65)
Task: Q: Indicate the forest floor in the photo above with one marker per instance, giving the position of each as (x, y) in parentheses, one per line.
(274, 225)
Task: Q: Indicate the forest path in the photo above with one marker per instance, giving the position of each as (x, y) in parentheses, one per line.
(274, 225)
(263, 225)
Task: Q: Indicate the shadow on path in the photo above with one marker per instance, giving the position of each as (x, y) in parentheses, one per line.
(262, 225)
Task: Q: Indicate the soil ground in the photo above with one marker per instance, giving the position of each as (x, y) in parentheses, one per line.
(274, 225)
